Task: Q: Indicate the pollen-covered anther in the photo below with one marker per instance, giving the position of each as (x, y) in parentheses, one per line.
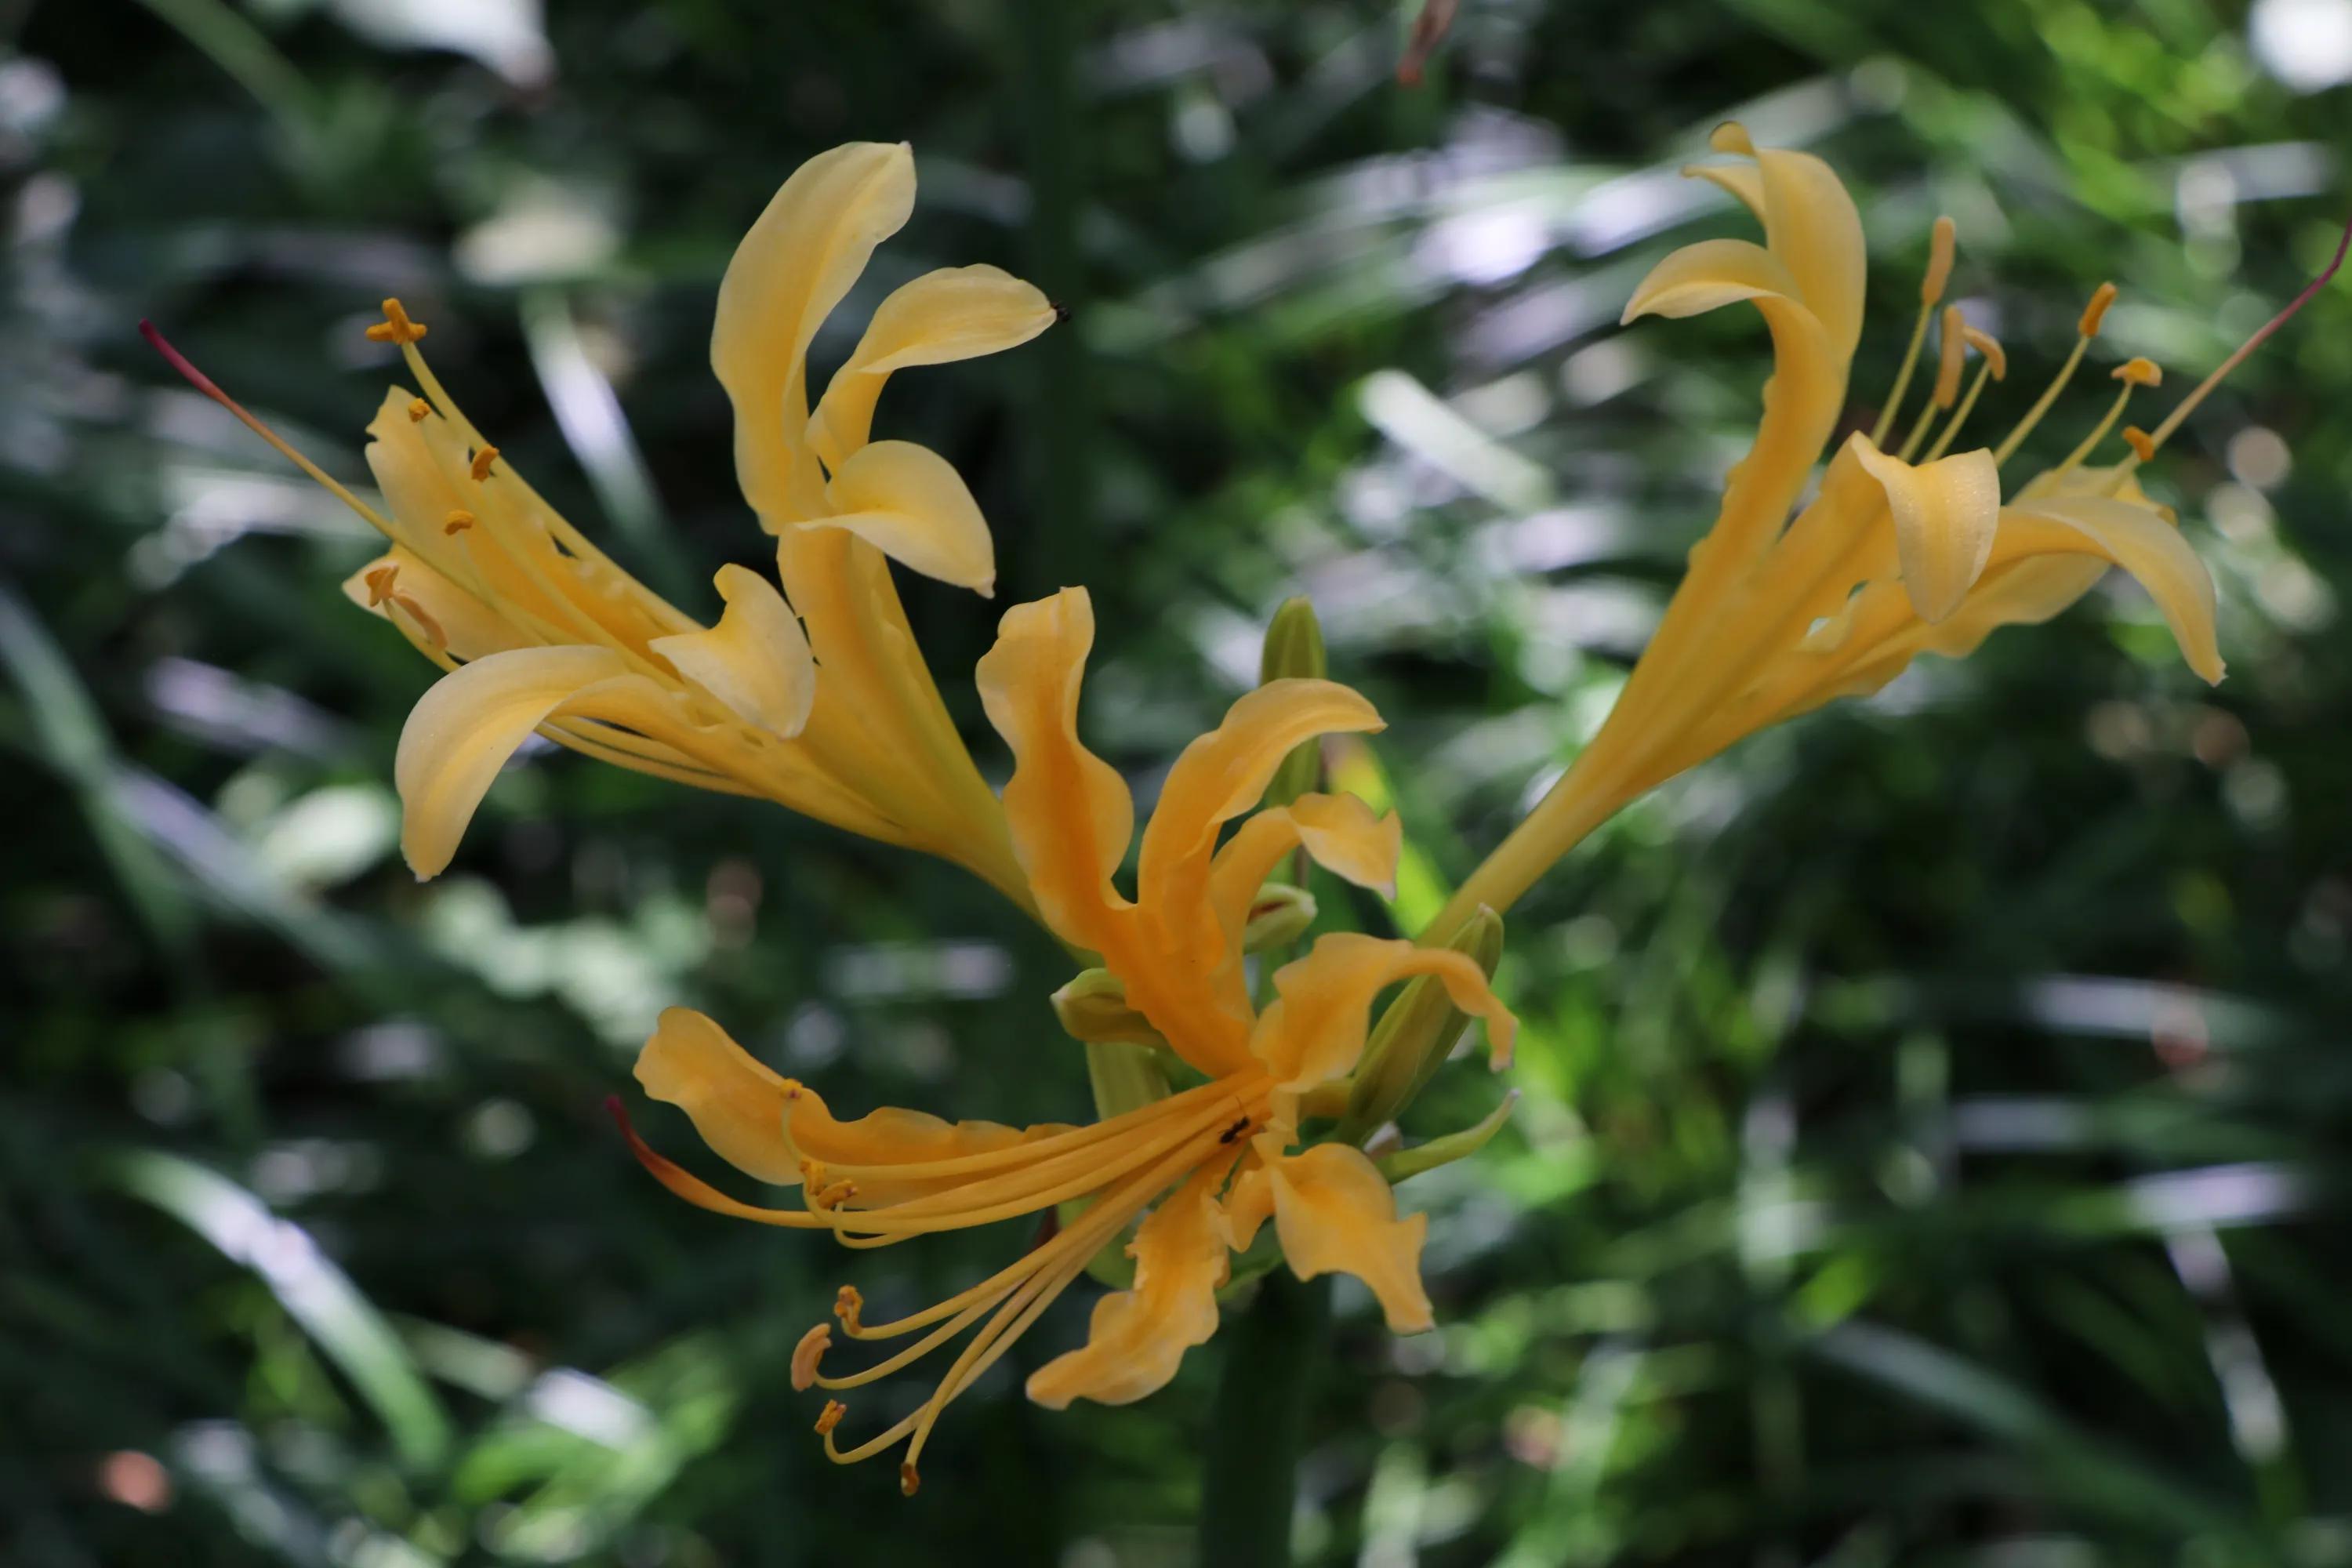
(847, 1303)
(1943, 245)
(2096, 311)
(418, 408)
(910, 1480)
(809, 1352)
(834, 1195)
(2142, 444)
(379, 581)
(2139, 373)
(482, 461)
(396, 327)
(830, 1416)
(458, 521)
(1996, 358)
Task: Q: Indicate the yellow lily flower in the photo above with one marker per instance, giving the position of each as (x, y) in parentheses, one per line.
(1899, 552)
(540, 632)
(1220, 1158)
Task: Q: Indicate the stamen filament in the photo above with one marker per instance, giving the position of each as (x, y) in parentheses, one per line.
(2087, 330)
(1942, 244)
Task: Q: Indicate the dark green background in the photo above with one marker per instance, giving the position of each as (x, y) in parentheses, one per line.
(1933, 1140)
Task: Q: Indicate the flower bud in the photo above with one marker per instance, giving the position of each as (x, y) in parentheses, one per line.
(1279, 917)
(1120, 1042)
(1294, 649)
(1416, 1036)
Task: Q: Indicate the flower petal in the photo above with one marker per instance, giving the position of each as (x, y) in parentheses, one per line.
(756, 660)
(867, 1147)
(1334, 1214)
(1137, 1337)
(1341, 832)
(954, 314)
(1070, 811)
(1945, 514)
(2136, 539)
(910, 503)
(735, 1101)
(793, 267)
(1708, 276)
(1216, 778)
(1315, 1029)
(464, 729)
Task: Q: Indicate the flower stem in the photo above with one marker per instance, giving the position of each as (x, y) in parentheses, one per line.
(1250, 1484)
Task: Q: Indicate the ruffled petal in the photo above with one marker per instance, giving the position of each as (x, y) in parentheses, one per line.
(793, 267)
(1812, 225)
(1137, 1337)
(2136, 539)
(1945, 514)
(1339, 831)
(954, 314)
(1070, 813)
(452, 618)
(1334, 1212)
(756, 660)
(910, 503)
(735, 1101)
(1315, 1029)
(464, 729)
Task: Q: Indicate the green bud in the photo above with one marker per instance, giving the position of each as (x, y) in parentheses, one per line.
(1279, 917)
(1445, 1151)
(1093, 1007)
(1294, 648)
(1417, 1034)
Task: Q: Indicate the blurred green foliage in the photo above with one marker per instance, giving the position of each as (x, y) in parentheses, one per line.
(1932, 1138)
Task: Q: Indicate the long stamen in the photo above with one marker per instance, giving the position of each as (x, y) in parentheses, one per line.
(2134, 373)
(203, 384)
(1942, 245)
(1995, 368)
(2085, 329)
(2187, 406)
(1951, 350)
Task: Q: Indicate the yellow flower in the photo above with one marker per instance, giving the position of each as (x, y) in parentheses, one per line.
(540, 632)
(1897, 554)
(1221, 1158)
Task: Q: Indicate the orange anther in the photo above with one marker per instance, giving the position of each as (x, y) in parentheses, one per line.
(1943, 244)
(458, 521)
(1996, 358)
(2139, 373)
(396, 326)
(910, 1481)
(417, 409)
(482, 461)
(808, 1353)
(846, 1304)
(830, 1416)
(379, 581)
(2096, 311)
(1954, 342)
(2142, 444)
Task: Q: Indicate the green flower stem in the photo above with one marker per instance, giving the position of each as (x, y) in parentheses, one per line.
(1272, 1347)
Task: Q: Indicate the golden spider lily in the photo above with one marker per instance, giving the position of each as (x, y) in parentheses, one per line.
(539, 631)
(1220, 1158)
(1898, 553)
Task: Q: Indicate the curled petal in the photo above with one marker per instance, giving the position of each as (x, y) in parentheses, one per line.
(462, 731)
(756, 660)
(734, 1101)
(1945, 513)
(2136, 539)
(954, 314)
(1315, 1029)
(1139, 1336)
(1341, 832)
(910, 503)
(1708, 276)
(1070, 811)
(1334, 1212)
(793, 267)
